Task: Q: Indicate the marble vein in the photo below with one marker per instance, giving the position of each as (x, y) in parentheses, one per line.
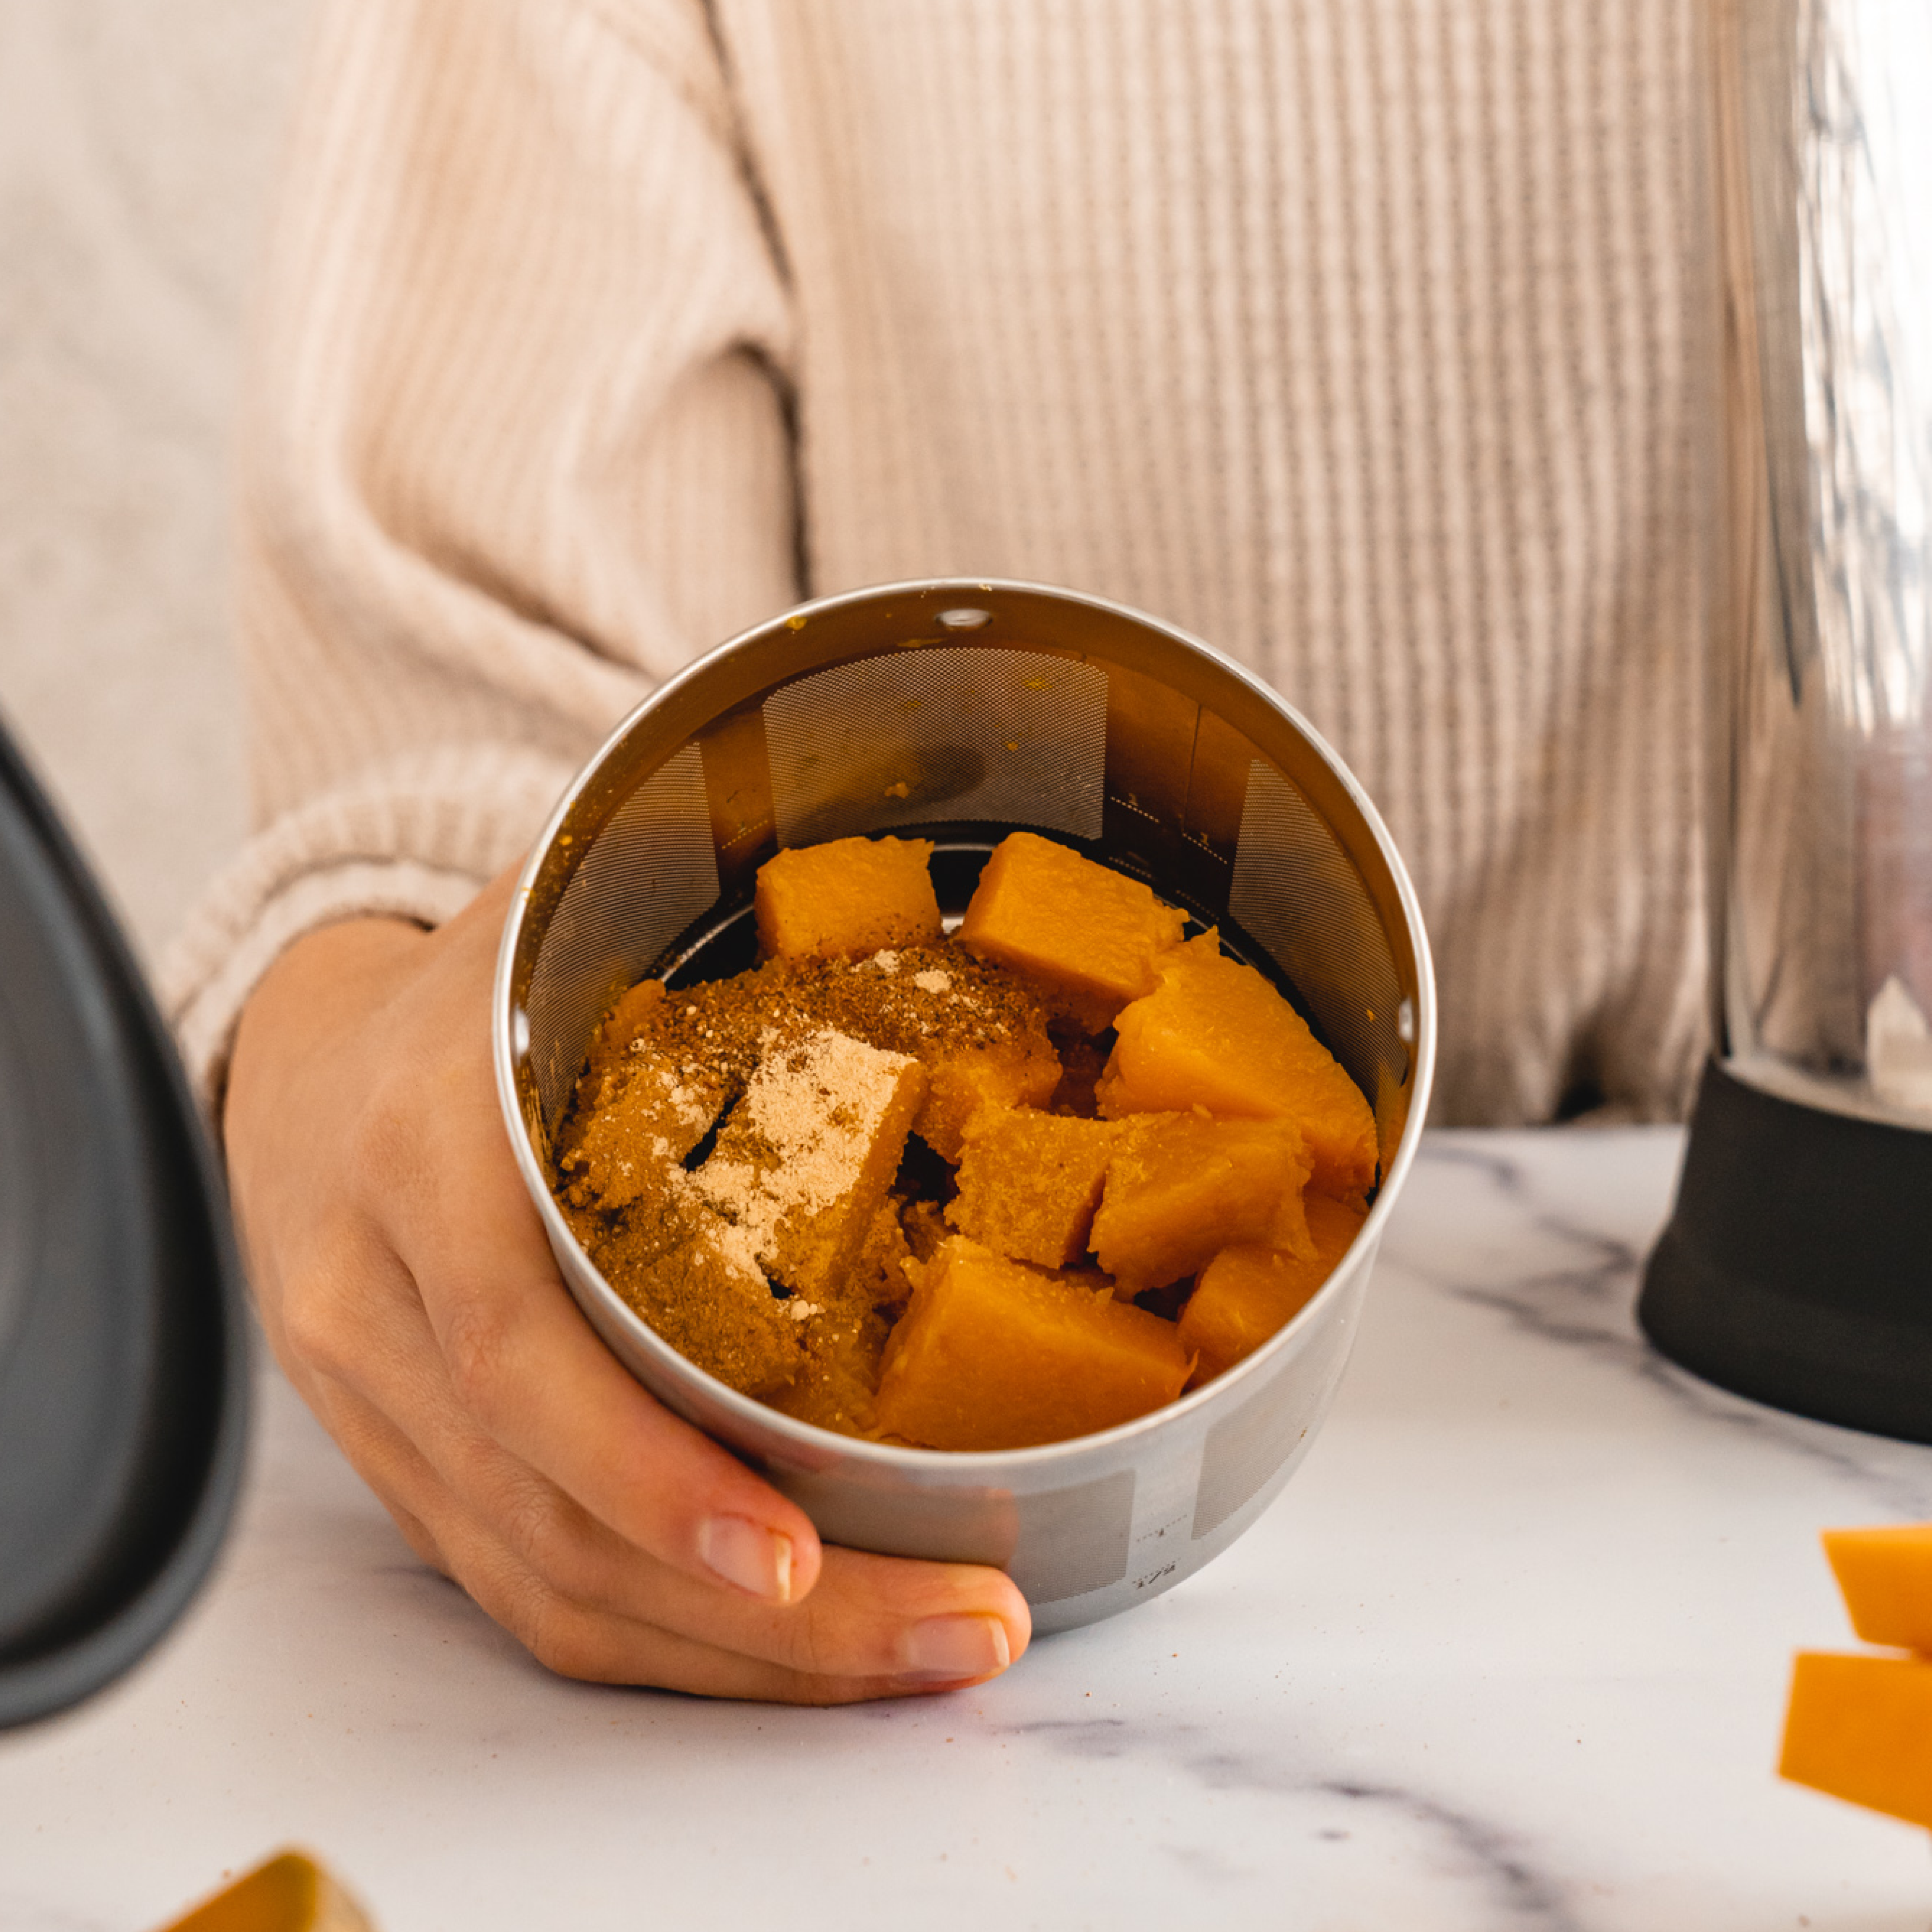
(1590, 1305)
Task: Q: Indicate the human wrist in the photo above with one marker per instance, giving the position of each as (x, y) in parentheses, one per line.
(327, 981)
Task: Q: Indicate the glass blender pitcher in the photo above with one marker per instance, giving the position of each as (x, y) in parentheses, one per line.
(1797, 1266)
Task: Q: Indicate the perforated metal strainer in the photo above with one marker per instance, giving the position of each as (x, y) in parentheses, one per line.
(959, 711)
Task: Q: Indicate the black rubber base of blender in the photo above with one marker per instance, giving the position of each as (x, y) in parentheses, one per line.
(1797, 1266)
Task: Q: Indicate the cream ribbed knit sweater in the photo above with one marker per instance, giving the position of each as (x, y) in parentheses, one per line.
(1365, 338)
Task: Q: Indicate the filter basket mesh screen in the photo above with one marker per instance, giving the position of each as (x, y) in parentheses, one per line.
(939, 733)
(652, 870)
(1298, 892)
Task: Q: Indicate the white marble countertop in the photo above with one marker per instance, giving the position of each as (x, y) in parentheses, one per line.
(1511, 1651)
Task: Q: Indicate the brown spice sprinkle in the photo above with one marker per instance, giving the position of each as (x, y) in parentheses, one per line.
(774, 1258)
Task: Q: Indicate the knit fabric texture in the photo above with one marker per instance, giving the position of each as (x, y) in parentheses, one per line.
(1371, 340)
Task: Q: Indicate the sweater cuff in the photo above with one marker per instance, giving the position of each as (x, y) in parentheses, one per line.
(415, 840)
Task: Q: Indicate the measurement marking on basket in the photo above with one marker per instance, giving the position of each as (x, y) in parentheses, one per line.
(1206, 850)
(755, 828)
(1154, 1575)
(1159, 1530)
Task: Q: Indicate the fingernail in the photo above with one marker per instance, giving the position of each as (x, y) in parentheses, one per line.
(746, 1553)
(946, 1650)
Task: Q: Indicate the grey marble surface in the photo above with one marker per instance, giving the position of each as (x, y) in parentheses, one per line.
(1511, 1651)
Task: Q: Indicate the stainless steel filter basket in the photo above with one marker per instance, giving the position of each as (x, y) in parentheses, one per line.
(957, 711)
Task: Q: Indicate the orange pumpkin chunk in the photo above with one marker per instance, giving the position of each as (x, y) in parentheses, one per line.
(1861, 1728)
(1029, 1183)
(994, 1354)
(844, 1345)
(1215, 1033)
(1183, 1186)
(845, 899)
(1885, 1575)
(798, 1175)
(707, 1298)
(1021, 1070)
(652, 1114)
(1246, 1293)
(1086, 937)
(291, 1893)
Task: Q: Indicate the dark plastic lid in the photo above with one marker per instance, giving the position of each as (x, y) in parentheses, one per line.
(124, 1347)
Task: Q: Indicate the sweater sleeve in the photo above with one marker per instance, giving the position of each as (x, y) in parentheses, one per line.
(514, 445)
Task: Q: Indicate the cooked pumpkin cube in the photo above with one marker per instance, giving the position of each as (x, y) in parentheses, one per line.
(1215, 1033)
(1086, 936)
(655, 1116)
(1020, 1070)
(1886, 1577)
(708, 1301)
(631, 1020)
(834, 1387)
(1183, 1186)
(846, 899)
(844, 1338)
(290, 1893)
(1029, 1183)
(1861, 1728)
(995, 1355)
(1246, 1293)
(805, 1158)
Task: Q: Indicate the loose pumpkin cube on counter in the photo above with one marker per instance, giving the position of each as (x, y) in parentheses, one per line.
(995, 1355)
(846, 899)
(1183, 1186)
(1861, 1728)
(1886, 1577)
(1246, 1293)
(1087, 936)
(291, 1893)
(1216, 1033)
(1029, 1183)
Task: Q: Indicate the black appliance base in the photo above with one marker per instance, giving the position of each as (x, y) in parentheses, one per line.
(1797, 1266)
